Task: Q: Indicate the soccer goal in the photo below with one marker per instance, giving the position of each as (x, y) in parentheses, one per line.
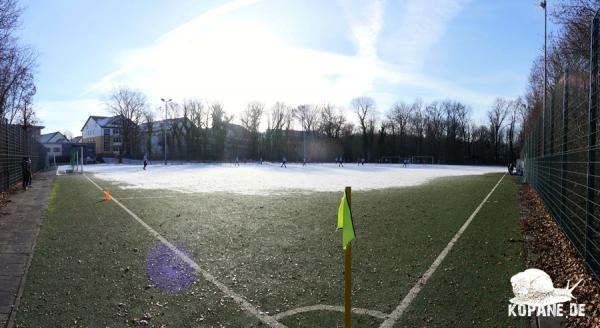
(422, 160)
(395, 159)
(76, 159)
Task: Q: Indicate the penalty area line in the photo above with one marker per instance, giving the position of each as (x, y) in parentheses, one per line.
(414, 291)
(241, 302)
(323, 307)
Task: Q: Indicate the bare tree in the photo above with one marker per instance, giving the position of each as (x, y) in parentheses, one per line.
(177, 129)
(279, 120)
(251, 118)
(332, 120)
(455, 119)
(17, 63)
(199, 116)
(417, 123)
(363, 107)
(496, 116)
(515, 114)
(128, 106)
(574, 16)
(434, 127)
(9, 19)
(220, 120)
(24, 115)
(277, 116)
(399, 116)
(308, 117)
(148, 119)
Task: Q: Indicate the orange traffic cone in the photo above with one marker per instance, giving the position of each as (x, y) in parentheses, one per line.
(106, 195)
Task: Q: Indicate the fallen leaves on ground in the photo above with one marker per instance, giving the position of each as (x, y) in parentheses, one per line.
(551, 251)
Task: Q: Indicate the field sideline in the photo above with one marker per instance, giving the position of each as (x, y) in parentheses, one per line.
(278, 253)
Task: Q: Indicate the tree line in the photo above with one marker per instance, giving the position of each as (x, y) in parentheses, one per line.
(17, 63)
(443, 129)
(568, 51)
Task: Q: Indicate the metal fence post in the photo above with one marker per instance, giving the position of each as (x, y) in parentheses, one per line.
(593, 106)
(565, 140)
(551, 117)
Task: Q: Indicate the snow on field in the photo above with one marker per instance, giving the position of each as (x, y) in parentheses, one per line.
(270, 177)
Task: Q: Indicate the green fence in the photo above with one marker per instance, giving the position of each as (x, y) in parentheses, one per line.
(17, 142)
(561, 149)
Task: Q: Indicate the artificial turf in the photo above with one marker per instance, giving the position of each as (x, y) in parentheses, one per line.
(279, 251)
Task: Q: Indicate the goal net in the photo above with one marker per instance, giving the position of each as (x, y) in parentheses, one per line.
(422, 160)
(395, 159)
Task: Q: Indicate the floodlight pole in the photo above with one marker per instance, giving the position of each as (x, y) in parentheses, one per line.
(164, 126)
(304, 142)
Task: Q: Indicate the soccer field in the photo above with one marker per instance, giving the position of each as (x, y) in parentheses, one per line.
(247, 254)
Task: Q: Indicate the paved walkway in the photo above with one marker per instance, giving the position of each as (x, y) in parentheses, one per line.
(20, 222)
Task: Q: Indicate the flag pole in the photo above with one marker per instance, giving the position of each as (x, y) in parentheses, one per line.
(348, 273)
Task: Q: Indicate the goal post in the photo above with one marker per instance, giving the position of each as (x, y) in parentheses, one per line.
(422, 160)
(76, 159)
(395, 159)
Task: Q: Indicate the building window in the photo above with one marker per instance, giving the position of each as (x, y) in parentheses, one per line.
(117, 139)
(116, 149)
(57, 149)
(116, 131)
(106, 140)
(48, 149)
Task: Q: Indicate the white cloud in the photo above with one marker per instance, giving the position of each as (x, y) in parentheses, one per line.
(365, 18)
(68, 115)
(220, 57)
(422, 24)
(236, 61)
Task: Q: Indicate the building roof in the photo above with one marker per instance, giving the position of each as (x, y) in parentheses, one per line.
(76, 139)
(104, 121)
(54, 137)
(109, 122)
(93, 117)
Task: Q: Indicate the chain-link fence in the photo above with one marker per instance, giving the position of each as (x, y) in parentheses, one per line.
(561, 153)
(15, 144)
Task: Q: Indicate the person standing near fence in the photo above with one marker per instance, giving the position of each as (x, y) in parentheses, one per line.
(30, 171)
(25, 172)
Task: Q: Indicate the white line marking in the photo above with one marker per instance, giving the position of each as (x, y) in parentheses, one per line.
(148, 197)
(322, 307)
(245, 305)
(394, 316)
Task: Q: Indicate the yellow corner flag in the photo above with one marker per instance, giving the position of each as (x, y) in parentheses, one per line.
(345, 222)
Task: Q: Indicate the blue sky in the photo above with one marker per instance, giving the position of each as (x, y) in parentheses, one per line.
(306, 51)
